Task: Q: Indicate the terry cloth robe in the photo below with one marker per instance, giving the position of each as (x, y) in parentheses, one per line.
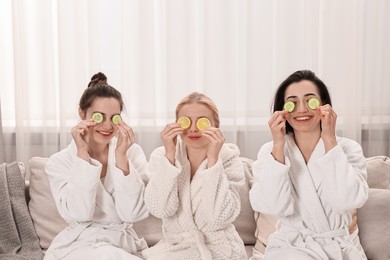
(18, 240)
(100, 214)
(197, 215)
(313, 201)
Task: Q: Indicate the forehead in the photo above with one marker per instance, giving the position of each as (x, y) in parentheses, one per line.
(105, 104)
(301, 88)
(195, 110)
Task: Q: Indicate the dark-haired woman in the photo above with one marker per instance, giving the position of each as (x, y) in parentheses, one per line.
(96, 181)
(308, 177)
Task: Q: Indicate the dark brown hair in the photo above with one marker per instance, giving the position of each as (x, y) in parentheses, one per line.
(98, 87)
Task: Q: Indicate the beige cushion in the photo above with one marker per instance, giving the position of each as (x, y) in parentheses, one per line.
(150, 229)
(378, 170)
(245, 223)
(374, 224)
(47, 221)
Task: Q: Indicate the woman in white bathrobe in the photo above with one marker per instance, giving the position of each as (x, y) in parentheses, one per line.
(194, 182)
(307, 177)
(96, 182)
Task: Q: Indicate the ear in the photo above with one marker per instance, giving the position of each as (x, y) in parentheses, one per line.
(82, 114)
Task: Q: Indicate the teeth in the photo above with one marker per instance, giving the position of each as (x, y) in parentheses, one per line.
(302, 118)
(105, 133)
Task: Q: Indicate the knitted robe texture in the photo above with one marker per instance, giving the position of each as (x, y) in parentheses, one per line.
(197, 214)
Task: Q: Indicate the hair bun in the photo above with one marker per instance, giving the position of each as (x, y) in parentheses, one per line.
(98, 78)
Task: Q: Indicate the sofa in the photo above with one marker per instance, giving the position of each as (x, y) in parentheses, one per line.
(254, 228)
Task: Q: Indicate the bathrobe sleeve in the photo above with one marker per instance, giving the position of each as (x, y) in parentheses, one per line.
(161, 194)
(74, 183)
(219, 199)
(272, 187)
(343, 176)
(129, 190)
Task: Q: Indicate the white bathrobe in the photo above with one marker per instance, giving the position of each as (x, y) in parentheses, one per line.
(313, 201)
(99, 212)
(197, 215)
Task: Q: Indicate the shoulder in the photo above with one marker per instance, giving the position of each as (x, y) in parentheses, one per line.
(60, 159)
(348, 145)
(229, 151)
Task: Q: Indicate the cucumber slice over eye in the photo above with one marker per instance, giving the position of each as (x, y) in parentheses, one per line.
(184, 122)
(97, 117)
(116, 119)
(289, 106)
(313, 103)
(203, 123)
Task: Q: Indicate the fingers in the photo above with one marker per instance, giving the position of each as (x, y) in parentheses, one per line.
(82, 127)
(214, 134)
(126, 132)
(327, 112)
(277, 120)
(170, 131)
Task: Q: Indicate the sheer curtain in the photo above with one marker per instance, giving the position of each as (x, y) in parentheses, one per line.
(2, 150)
(156, 51)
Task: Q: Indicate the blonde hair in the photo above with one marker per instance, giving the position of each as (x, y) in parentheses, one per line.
(196, 97)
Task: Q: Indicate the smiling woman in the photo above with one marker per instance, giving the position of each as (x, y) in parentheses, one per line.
(96, 181)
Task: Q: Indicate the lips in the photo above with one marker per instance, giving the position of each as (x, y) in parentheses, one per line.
(104, 133)
(194, 138)
(302, 118)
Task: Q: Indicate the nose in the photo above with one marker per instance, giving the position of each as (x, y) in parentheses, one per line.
(301, 106)
(192, 127)
(107, 124)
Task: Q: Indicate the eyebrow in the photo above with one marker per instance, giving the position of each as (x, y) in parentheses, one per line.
(308, 94)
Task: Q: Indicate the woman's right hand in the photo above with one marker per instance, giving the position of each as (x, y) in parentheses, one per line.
(80, 134)
(169, 138)
(277, 124)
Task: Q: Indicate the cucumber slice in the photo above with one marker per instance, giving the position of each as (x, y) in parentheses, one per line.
(203, 123)
(97, 117)
(184, 122)
(289, 106)
(116, 119)
(313, 103)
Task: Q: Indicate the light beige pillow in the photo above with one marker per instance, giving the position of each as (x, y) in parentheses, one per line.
(150, 229)
(245, 222)
(374, 224)
(47, 221)
(378, 171)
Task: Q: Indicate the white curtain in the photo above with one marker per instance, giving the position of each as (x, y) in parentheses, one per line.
(2, 148)
(157, 51)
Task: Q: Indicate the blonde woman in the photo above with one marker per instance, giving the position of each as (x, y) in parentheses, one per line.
(194, 183)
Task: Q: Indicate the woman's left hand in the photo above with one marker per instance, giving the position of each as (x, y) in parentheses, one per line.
(126, 139)
(216, 139)
(328, 124)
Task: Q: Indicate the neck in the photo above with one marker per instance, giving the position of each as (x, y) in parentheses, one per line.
(306, 142)
(196, 156)
(97, 150)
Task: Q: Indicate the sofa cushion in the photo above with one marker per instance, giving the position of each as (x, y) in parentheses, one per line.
(374, 225)
(378, 170)
(47, 221)
(245, 223)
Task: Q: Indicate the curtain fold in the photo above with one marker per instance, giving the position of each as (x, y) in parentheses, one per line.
(2, 147)
(157, 51)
